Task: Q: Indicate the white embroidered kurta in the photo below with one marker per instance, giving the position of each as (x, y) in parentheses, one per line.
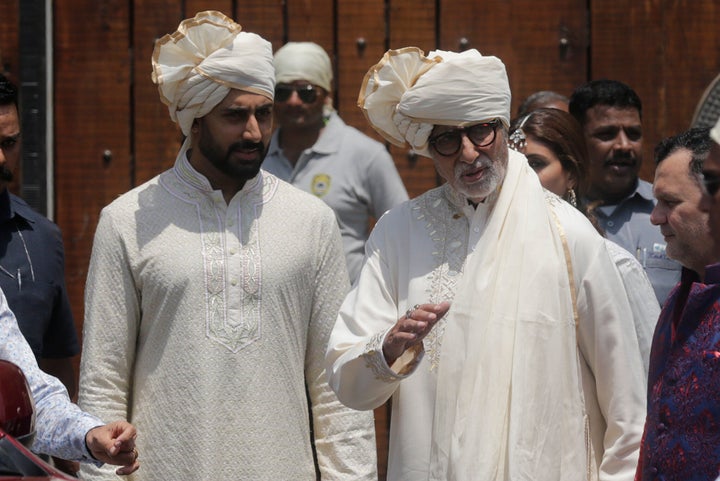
(415, 255)
(205, 321)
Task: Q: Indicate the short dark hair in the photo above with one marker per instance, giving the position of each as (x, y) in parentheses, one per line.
(696, 140)
(8, 92)
(611, 93)
(540, 100)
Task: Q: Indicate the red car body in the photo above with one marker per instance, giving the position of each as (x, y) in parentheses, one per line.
(17, 429)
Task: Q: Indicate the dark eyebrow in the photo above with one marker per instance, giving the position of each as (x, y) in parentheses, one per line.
(235, 109)
(247, 110)
(604, 129)
(14, 137)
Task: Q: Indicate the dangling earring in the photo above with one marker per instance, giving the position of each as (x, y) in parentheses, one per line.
(571, 198)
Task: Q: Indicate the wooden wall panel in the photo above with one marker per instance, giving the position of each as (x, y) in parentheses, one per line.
(157, 138)
(194, 6)
(691, 56)
(312, 21)
(9, 35)
(92, 116)
(479, 24)
(262, 17)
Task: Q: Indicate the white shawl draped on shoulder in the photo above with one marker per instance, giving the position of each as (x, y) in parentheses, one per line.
(509, 403)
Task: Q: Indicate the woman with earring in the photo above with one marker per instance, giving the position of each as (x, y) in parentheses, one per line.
(554, 145)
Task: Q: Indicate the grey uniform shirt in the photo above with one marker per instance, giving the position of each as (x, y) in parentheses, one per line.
(354, 174)
(628, 224)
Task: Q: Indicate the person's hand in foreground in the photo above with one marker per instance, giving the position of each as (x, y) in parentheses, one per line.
(114, 443)
(412, 328)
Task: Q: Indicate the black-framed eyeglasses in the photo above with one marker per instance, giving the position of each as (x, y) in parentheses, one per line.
(711, 183)
(450, 142)
(307, 93)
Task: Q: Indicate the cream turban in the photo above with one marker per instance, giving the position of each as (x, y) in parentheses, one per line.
(303, 61)
(208, 55)
(715, 132)
(406, 94)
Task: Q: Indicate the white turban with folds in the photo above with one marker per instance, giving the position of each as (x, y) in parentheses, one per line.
(407, 93)
(195, 67)
(303, 61)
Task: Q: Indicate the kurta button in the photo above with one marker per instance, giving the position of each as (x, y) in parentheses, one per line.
(233, 282)
(476, 229)
(661, 427)
(610, 223)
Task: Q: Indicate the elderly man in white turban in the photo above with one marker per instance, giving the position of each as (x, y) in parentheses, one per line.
(213, 288)
(488, 308)
(316, 151)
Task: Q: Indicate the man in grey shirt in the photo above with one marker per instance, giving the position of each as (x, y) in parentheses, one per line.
(316, 151)
(610, 113)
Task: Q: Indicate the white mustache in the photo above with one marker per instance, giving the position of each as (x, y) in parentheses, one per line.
(462, 169)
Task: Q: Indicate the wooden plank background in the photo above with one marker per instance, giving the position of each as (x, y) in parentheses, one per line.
(112, 133)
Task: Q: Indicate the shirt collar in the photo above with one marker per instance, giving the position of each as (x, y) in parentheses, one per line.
(11, 206)
(712, 274)
(330, 139)
(643, 191)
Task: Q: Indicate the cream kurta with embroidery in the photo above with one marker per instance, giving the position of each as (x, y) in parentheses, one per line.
(416, 255)
(203, 323)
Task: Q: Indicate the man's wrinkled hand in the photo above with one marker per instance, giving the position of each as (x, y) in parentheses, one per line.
(412, 328)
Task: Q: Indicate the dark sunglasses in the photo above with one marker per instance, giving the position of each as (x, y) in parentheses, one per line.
(711, 184)
(307, 93)
(450, 142)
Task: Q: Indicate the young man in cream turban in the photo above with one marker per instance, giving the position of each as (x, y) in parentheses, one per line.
(488, 308)
(316, 151)
(213, 288)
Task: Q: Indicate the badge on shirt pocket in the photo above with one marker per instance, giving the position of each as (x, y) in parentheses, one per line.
(320, 185)
(657, 258)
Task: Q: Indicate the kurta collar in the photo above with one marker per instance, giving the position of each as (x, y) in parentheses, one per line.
(463, 205)
(187, 173)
